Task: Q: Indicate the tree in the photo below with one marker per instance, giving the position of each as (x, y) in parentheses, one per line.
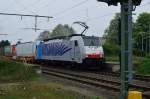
(141, 32)
(44, 35)
(111, 33)
(62, 30)
(59, 30)
(4, 43)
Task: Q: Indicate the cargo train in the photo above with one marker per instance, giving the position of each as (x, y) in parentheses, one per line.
(74, 49)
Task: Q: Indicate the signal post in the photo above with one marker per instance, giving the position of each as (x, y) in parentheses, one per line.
(127, 6)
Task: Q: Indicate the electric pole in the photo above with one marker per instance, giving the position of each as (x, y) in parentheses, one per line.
(149, 39)
(4, 34)
(126, 42)
(27, 15)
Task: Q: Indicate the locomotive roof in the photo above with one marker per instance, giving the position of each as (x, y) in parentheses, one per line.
(63, 37)
(25, 42)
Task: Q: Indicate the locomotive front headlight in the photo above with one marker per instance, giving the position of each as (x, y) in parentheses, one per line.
(101, 55)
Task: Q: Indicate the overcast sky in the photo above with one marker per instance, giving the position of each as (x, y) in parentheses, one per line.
(97, 16)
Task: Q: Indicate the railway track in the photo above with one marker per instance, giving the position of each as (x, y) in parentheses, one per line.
(115, 74)
(135, 76)
(86, 78)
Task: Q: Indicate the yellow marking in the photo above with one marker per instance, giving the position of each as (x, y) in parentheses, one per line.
(134, 95)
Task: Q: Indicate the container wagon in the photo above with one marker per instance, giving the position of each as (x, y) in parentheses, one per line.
(26, 51)
(7, 51)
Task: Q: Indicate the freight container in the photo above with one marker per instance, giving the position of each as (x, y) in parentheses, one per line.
(13, 50)
(7, 51)
(27, 49)
(1, 51)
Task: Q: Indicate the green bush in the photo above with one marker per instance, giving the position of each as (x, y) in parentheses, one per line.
(147, 55)
(112, 58)
(143, 67)
(12, 71)
(138, 52)
(111, 49)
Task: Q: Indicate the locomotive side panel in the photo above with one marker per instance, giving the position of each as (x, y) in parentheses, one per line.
(58, 50)
(39, 51)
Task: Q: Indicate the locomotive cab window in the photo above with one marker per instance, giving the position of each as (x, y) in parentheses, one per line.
(76, 43)
(91, 41)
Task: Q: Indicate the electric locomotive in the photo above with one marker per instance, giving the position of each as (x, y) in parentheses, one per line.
(73, 49)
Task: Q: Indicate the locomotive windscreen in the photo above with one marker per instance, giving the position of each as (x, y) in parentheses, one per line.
(91, 41)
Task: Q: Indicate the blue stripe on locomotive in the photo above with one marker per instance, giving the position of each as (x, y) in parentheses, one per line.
(55, 49)
(39, 51)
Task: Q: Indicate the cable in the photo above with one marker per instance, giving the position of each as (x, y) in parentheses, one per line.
(144, 4)
(95, 18)
(113, 13)
(70, 8)
(35, 2)
(23, 6)
(44, 6)
(38, 3)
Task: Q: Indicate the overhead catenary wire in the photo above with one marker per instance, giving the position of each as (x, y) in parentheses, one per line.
(37, 3)
(45, 5)
(36, 29)
(89, 19)
(102, 16)
(23, 6)
(70, 8)
(3, 34)
(96, 18)
(34, 3)
(27, 15)
(144, 4)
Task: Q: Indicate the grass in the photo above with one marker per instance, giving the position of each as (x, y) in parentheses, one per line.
(112, 59)
(17, 83)
(142, 64)
(39, 91)
(11, 71)
(143, 67)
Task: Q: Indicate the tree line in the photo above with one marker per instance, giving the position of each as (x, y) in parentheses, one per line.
(141, 35)
(4, 43)
(59, 30)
